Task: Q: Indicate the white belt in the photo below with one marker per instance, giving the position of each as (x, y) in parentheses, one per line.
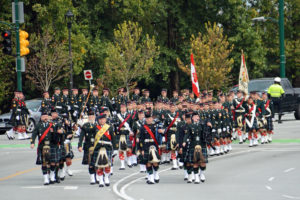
(60, 107)
(18, 109)
(76, 106)
(104, 142)
(239, 111)
(149, 140)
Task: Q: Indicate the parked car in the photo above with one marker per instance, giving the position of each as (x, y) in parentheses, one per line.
(291, 99)
(34, 107)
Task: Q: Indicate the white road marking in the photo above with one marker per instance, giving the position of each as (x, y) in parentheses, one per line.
(288, 170)
(70, 187)
(123, 194)
(271, 178)
(290, 197)
(122, 191)
(268, 187)
(115, 187)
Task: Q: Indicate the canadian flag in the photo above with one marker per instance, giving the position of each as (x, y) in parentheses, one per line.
(195, 84)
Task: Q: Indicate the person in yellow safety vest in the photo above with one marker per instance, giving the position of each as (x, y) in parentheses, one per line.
(275, 92)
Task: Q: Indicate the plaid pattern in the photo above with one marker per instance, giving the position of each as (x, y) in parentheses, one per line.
(96, 152)
(55, 154)
(269, 125)
(128, 142)
(190, 154)
(145, 159)
(254, 127)
(85, 158)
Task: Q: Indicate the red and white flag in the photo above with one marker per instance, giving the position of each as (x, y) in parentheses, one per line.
(195, 84)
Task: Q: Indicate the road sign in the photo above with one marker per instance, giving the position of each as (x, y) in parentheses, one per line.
(88, 75)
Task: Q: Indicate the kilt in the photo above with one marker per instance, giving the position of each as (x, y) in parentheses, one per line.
(109, 152)
(269, 125)
(85, 158)
(55, 154)
(146, 148)
(39, 159)
(254, 127)
(128, 141)
(63, 153)
(190, 154)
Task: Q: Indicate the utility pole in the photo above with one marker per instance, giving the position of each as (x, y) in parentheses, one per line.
(18, 60)
(281, 38)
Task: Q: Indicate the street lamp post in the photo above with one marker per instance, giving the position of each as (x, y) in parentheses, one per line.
(69, 16)
(280, 22)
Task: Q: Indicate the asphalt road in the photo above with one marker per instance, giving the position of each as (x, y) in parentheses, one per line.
(269, 171)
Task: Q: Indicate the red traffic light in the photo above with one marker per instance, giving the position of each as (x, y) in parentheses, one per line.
(6, 34)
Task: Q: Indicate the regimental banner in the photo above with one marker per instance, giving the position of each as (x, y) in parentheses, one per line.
(243, 78)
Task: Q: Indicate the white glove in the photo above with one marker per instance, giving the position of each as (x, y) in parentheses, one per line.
(114, 112)
(224, 129)
(163, 139)
(214, 130)
(219, 130)
(69, 108)
(75, 113)
(18, 118)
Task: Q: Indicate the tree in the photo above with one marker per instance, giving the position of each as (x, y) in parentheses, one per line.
(130, 57)
(49, 62)
(211, 54)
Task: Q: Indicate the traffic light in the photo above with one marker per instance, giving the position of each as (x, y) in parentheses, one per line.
(6, 35)
(24, 43)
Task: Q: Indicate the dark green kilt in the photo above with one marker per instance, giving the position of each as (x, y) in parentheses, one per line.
(128, 141)
(146, 147)
(109, 152)
(190, 154)
(55, 154)
(39, 159)
(269, 125)
(85, 158)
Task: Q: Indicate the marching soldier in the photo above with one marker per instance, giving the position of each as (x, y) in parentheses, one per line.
(88, 133)
(196, 158)
(149, 147)
(103, 150)
(118, 100)
(65, 103)
(145, 98)
(163, 97)
(175, 97)
(136, 95)
(42, 131)
(268, 116)
(171, 135)
(46, 103)
(105, 101)
(82, 101)
(56, 134)
(239, 105)
(123, 136)
(137, 125)
(74, 104)
(251, 121)
(56, 100)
